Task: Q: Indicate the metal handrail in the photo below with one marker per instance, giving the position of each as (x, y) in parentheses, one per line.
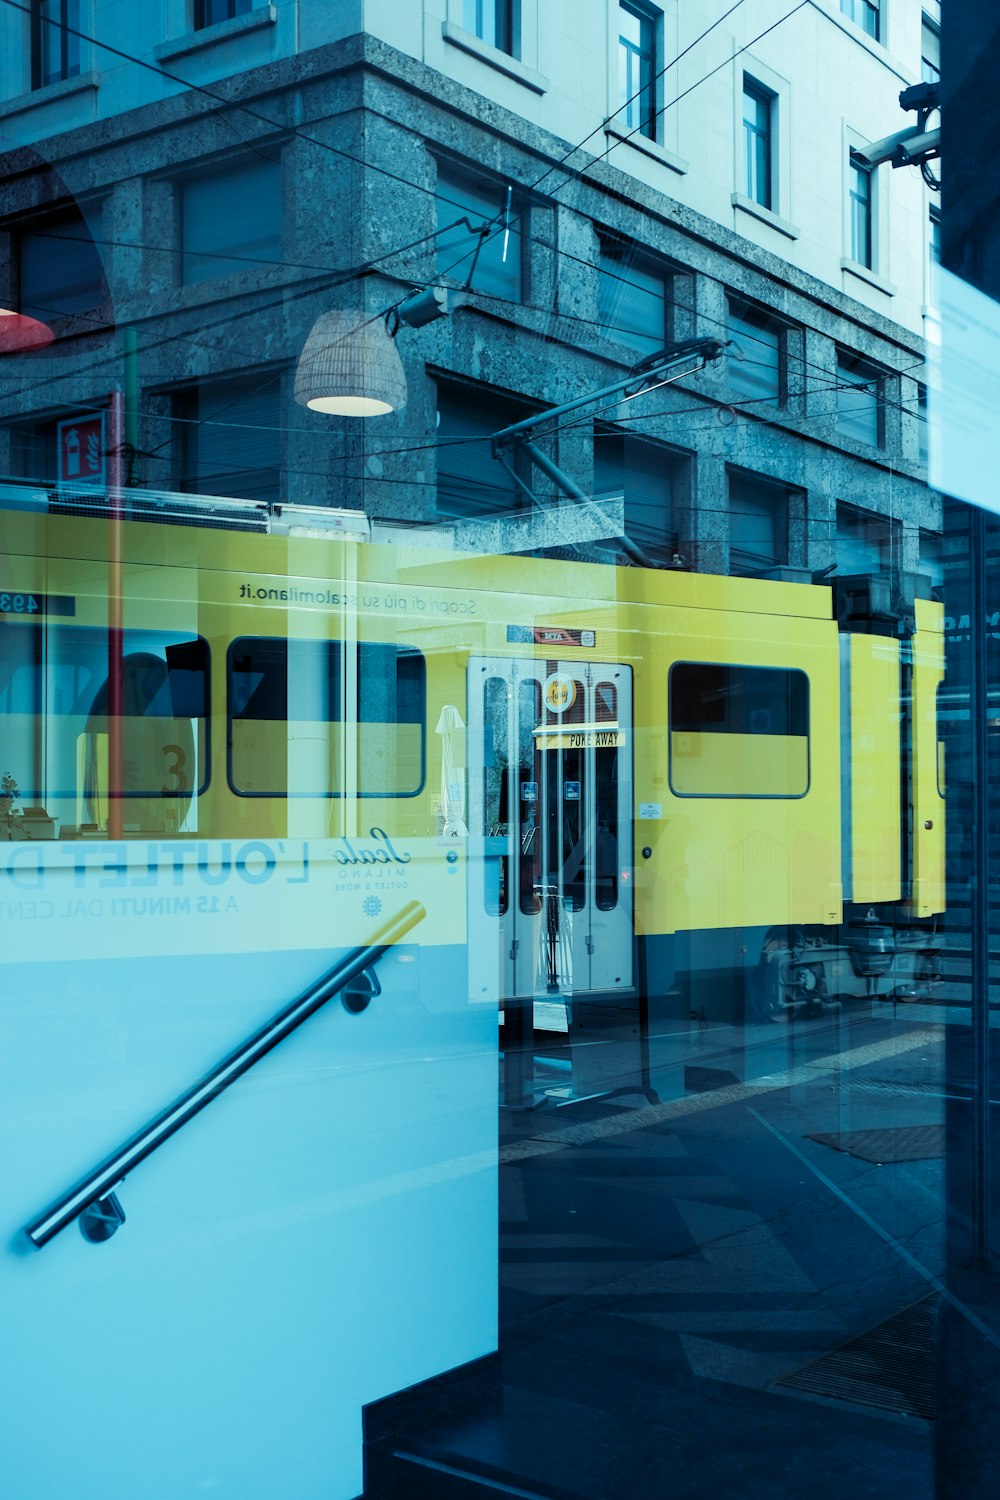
(95, 1191)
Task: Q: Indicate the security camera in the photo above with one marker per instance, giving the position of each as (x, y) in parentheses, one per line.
(904, 149)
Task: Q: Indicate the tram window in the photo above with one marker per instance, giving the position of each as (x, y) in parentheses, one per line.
(54, 700)
(496, 796)
(606, 790)
(738, 731)
(529, 714)
(286, 712)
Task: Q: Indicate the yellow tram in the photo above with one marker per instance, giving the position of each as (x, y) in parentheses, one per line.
(597, 780)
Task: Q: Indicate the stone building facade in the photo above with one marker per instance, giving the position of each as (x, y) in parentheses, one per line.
(215, 176)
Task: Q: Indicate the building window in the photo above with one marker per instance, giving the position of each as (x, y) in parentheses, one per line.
(923, 424)
(230, 220)
(756, 370)
(866, 13)
(862, 239)
(60, 269)
(208, 12)
(930, 51)
(638, 67)
(228, 438)
(34, 449)
(933, 254)
(858, 400)
(632, 298)
(281, 691)
(931, 558)
(470, 481)
(865, 542)
(721, 713)
(493, 260)
(497, 22)
(758, 144)
(642, 472)
(55, 41)
(758, 524)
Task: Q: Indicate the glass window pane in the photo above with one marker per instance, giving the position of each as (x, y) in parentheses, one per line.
(496, 270)
(637, 69)
(58, 752)
(285, 712)
(228, 437)
(758, 524)
(857, 401)
(643, 472)
(738, 731)
(757, 375)
(470, 481)
(61, 269)
(231, 221)
(632, 295)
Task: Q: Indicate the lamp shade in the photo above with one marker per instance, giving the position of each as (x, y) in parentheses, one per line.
(350, 367)
(19, 334)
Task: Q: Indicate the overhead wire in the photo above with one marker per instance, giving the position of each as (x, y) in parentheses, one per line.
(714, 406)
(213, 94)
(576, 174)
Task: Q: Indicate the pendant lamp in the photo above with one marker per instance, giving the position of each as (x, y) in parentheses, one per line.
(350, 366)
(20, 334)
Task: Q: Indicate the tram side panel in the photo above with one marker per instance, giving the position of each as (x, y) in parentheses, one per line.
(738, 797)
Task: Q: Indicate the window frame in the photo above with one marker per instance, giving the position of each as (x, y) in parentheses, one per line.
(182, 461)
(867, 15)
(847, 360)
(213, 169)
(64, 323)
(754, 133)
(457, 389)
(87, 635)
(782, 494)
(506, 24)
(735, 303)
(868, 242)
(520, 213)
(201, 20)
(930, 42)
(740, 796)
(933, 255)
(634, 114)
(38, 27)
(653, 453)
(628, 255)
(359, 646)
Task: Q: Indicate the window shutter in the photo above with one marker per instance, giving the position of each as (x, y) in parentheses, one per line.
(470, 481)
(858, 409)
(231, 220)
(232, 443)
(757, 524)
(643, 473)
(632, 302)
(61, 270)
(498, 268)
(757, 375)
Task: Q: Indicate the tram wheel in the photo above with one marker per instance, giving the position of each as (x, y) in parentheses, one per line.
(768, 985)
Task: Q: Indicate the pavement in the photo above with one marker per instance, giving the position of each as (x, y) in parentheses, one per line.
(668, 1263)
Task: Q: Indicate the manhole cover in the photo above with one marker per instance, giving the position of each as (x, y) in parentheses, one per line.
(898, 1143)
(890, 1367)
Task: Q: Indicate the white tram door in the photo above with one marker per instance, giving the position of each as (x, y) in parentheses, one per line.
(550, 793)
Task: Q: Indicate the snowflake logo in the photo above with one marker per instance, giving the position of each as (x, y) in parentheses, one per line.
(372, 905)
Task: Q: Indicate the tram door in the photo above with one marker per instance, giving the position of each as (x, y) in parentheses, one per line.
(550, 785)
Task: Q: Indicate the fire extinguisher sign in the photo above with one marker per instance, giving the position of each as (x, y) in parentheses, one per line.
(81, 444)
